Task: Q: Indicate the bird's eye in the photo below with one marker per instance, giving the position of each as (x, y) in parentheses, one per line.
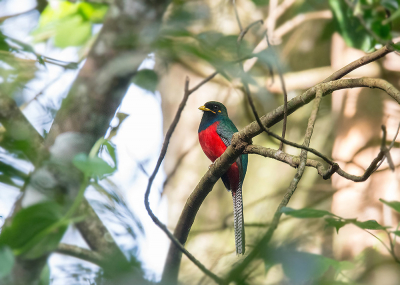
(216, 108)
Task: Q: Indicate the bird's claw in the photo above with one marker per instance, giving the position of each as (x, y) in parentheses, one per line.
(210, 165)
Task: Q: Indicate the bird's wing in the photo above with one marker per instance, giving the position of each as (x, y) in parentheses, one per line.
(225, 130)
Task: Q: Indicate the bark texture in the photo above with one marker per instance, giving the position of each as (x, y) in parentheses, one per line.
(84, 116)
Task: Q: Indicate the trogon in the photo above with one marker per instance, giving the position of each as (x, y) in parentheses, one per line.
(215, 135)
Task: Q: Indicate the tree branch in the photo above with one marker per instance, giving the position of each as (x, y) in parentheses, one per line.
(300, 18)
(237, 270)
(81, 253)
(283, 86)
(286, 4)
(388, 48)
(2, 19)
(294, 161)
(240, 141)
(92, 228)
(176, 242)
(85, 114)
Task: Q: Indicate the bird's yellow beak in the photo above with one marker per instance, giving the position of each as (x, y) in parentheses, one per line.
(203, 108)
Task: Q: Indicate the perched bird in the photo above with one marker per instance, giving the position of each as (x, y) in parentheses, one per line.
(215, 135)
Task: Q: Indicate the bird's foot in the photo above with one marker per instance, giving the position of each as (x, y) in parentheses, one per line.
(210, 165)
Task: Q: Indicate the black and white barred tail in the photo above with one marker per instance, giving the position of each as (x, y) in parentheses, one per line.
(238, 221)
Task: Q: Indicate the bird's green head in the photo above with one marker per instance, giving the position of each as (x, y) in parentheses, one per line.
(215, 108)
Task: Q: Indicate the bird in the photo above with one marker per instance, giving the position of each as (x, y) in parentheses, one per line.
(215, 135)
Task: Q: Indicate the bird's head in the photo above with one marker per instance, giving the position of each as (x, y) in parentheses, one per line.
(213, 109)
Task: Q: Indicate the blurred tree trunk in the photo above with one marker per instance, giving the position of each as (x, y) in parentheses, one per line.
(360, 114)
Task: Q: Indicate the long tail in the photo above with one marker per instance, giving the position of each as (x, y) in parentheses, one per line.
(238, 221)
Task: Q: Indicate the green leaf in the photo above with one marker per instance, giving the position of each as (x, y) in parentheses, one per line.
(266, 57)
(304, 266)
(390, 4)
(69, 23)
(397, 233)
(6, 261)
(94, 166)
(395, 205)
(349, 26)
(146, 79)
(305, 213)
(92, 12)
(393, 17)
(29, 223)
(52, 14)
(73, 32)
(45, 276)
(111, 150)
(344, 265)
(47, 243)
(260, 2)
(336, 223)
(369, 225)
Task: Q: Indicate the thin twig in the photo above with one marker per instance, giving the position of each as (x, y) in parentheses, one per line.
(177, 165)
(23, 106)
(388, 48)
(283, 85)
(61, 63)
(395, 236)
(387, 248)
(153, 175)
(237, 16)
(248, 95)
(240, 141)
(242, 138)
(81, 253)
(245, 31)
(2, 19)
(237, 270)
(257, 117)
(392, 249)
(386, 150)
(395, 136)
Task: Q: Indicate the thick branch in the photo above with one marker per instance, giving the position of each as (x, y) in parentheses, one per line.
(176, 243)
(92, 228)
(239, 143)
(91, 103)
(237, 271)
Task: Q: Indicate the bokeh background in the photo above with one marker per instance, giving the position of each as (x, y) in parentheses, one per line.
(310, 43)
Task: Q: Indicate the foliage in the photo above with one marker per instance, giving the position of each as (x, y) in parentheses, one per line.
(302, 267)
(146, 79)
(39, 223)
(69, 24)
(7, 261)
(38, 229)
(337, 222)
(365, 23)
